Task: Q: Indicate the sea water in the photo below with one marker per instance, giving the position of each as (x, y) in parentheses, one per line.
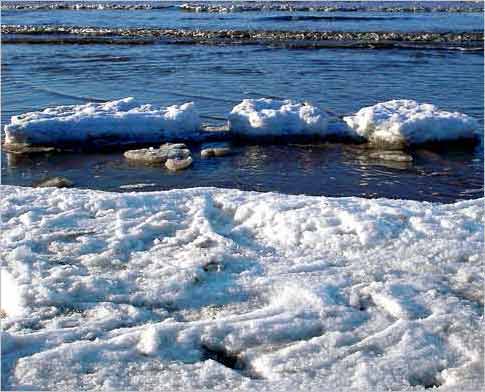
(218, 76)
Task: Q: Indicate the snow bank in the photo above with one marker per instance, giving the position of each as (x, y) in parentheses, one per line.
(393, 124)
(400, 123)
(124, 120)
(211, 288)
(259, 118)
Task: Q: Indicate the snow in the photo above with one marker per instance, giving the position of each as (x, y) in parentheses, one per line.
(402, 122)
(232, 290)
(10, 299)
(393, 124)
(266, 117)
(124, 120)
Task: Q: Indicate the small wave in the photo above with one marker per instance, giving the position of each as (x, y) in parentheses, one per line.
(292, 39)
(47, 6)
(317, 18)
(232, 7)
(63, 94)
(343, 7)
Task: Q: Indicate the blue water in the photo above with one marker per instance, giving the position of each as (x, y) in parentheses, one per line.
(173, 17)
(218, 77)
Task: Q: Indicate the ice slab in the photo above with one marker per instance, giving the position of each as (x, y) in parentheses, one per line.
(400, 123)
(124, 120)
(225, 289)
(270, 118)
(158, 155)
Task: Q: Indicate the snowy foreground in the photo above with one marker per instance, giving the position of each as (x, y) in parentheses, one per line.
(395, 124)
(231, 290)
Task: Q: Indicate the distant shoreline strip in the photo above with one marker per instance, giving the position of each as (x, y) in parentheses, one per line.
(60, 34)
(229, 7)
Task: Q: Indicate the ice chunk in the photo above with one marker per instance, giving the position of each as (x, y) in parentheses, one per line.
(57, 182)
(400, 123)
(124, 120)
(178, 163)
(394, 156)
(215, 150)
(259, 118)
(158, 155)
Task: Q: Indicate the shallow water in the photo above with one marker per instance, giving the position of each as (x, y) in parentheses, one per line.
(218, 77)
(326, 169)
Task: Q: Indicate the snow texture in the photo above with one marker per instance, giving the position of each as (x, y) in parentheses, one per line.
(274, 118)
(400, 123)
(124, 120)
(210, 288)
(392, 124)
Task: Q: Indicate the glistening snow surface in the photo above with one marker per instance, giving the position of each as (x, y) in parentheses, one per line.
(397, 123)
(407, 122)
(123, 120)
(270, 117)
(232, 290)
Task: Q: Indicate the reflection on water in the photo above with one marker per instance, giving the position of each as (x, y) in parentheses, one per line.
(218, 77)
(325, 169)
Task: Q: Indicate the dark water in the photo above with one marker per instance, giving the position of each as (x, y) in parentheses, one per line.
(218, 77)
(328, 169)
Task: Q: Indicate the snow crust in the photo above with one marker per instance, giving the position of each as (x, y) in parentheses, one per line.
(225, 289)
(123, 120)
(10, 298)
(266, 117)
(405, 122)
(392, 124)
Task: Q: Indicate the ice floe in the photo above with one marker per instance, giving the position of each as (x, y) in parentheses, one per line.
(124, 120)
(394, 156)
(225, 289)
(264, 117)
(402, 122)
(176, 164)
(393, 125)
(158, 155)
(215, 150)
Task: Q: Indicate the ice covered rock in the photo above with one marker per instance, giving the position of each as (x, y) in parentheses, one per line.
(215, 150)
(393, 156)
(56, 182)
(178, 163)
(158, 155)
(263, 118)
(124, 120)
(400, 123)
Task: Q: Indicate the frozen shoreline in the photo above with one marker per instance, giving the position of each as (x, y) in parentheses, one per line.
(240, 290)
(395, 124)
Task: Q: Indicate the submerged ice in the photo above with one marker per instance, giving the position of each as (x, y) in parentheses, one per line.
(212, 288)
(123, 120)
